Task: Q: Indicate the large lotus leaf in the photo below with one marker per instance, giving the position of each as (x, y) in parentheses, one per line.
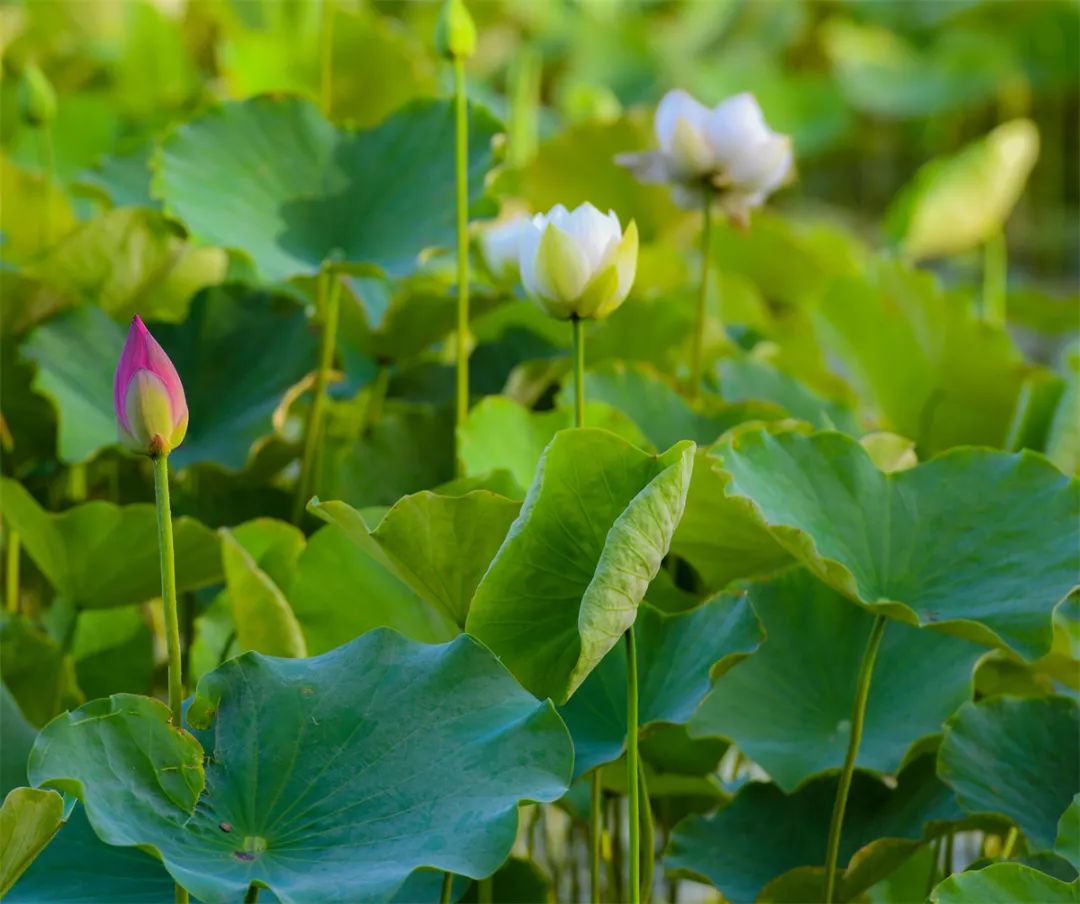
(264, 620)
(16, 738)
(76, 356)
(924, 365)
(301, 191)
(677, 655)
(131, 261)
(1067, 844)
(501, 434)
(955, 203)
(981, 542)
(98, 554)
(113, 651)
(720, 535)
(566, 583)
(339, 592)
(763, 833)
(1005, 883)
(36, 213)
(788, 707)
(1018, 757)
(29, 818)
(432, 780)
(657, 408)
(439, 545)
(36, 670)
(238, 353)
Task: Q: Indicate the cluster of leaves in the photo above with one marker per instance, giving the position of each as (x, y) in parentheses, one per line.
(376, 691)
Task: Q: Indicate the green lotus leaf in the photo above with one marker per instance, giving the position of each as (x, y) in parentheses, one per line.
(113, 651)
(518, 881)
(982, 543)
(238, 353)
(721, 536)
(433, 779)
(36, 670)
(788, 707)
(501, 434)
(16, 738)
(98, 555)
(131, 261)
(1067, 844)
(439, 545)
(924, 365)
(955, 203)
(37, 212)
(1016, 756)
(763, 833)
(592, 532)
(677, 655)
(1005, 883)
(1063, 430)
(29, 818)
(302, 191)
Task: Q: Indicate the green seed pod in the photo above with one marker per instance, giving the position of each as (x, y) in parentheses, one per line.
(455, 35)
(37, 99)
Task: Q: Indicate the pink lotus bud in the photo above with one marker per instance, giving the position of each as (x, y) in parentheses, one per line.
(151, 410)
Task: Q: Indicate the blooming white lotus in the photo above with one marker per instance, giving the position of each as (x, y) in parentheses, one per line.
(729, 149)
(578, 264)
(499, 245)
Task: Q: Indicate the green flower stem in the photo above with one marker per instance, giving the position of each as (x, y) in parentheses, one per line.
(447, 894)
(648, 837)
(326, 57)
(168, 601)
(632, 784)
(994, 279)
(485, 891)
(858, 715)
(697, 352)
(1010, 843)
(596, 831)
(461, 130)
(48, 166)
(329, 292)
(11, 571)
(579, 371)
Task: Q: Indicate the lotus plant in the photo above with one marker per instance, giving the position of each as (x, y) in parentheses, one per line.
(152, 418)
(728, 155)
(579, 265)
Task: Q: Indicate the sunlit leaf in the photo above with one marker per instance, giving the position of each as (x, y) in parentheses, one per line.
(1005, 883)
(29, 818)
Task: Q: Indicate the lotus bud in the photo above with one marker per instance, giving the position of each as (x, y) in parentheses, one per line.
(37, 99)
(728, 149)
(578, 264)
(151, 411)
(499, 247)
(455, 33)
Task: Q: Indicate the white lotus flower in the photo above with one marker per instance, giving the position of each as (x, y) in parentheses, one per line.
(580, 263)
(729, 149)
(499, 246)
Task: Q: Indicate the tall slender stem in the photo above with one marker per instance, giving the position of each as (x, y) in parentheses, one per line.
(447, 894)
(11, 572)
(596, 831)
(648, 837)
(168, 601)
(995, 264)
(326, 57)
(697, 353)
(461, 128)
(579, 371)
(858, 715)
(632, 781)
(329, 291)
(485, 890)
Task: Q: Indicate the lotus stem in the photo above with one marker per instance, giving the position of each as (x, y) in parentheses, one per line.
(168, 602)
(328, 288)
(485, 889)
(648, 835)
(858, 716)
(596, 831)
(697, 353)
(632, 784)
(11, 571)
(995, 264)
(579, 371)
(1010, 843)
(447, 894)
(461, 128)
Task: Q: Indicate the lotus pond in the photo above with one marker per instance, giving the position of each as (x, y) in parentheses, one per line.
(539, 451)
